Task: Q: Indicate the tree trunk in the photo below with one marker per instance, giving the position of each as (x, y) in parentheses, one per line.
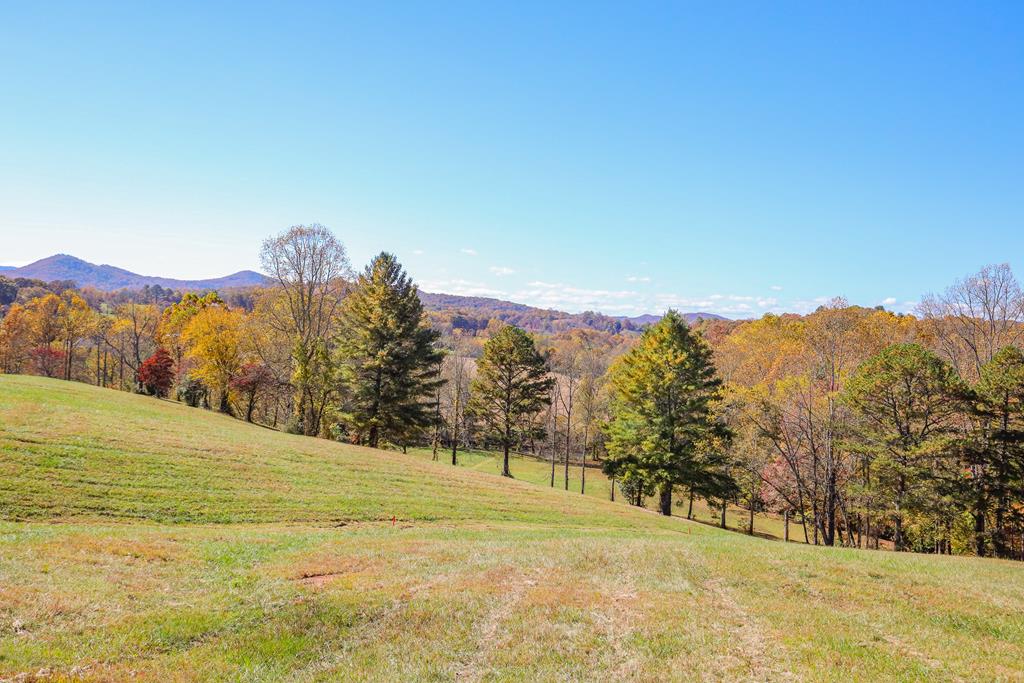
(224, 406)
(901, 487)
(689, 510)
(455, 443)
(724, 505)
(980, 547)
(665, 503)
(583, 462)
(785, 521)
(505, 472)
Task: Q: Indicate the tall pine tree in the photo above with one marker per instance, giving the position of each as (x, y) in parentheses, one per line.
(389, 363)
(663, 429)
(511, 384)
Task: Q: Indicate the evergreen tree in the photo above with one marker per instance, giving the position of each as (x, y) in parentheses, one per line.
(999, 469)
(389, 363)
(909, 400)
(663, 429)
(511, 384)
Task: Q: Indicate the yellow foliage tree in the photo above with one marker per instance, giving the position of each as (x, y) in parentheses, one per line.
(213, 337)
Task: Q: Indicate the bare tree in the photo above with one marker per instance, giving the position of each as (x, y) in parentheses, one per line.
(310, 265)
(455, 370)
(567, 367)
(976, 317)
(592, 372)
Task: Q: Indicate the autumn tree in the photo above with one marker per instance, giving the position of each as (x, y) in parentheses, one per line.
(157, 373)
(389, 364)
(132, 337)
(76, 320)
(176, 317)
(251, 381)
(309, 265)
(661, 410)
(15, 339)
(511, 384)
(213, 341)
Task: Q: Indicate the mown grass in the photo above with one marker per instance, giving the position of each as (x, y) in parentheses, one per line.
(144, 540)
(537, 471)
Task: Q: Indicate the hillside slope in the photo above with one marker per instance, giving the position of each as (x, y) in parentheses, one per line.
(142, 539)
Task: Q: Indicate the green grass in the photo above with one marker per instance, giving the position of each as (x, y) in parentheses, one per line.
(143, 540)
(536, 471)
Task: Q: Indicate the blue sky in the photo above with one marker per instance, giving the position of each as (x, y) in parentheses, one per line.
(730, 157)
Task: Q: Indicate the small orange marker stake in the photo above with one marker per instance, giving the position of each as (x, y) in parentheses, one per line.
(392, 520)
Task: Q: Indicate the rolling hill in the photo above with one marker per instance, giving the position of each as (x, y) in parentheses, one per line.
(105, 277)
(144, 540)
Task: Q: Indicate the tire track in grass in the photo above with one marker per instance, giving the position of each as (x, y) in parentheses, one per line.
(750, 636)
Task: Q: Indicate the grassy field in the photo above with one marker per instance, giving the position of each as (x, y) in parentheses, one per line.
(143, 540)
(527, 468)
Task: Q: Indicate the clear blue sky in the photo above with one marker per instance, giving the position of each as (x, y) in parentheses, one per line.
(732, 157)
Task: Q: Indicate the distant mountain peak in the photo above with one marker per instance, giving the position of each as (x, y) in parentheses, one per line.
(108, 278)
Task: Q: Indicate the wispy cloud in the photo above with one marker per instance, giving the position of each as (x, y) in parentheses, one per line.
(462, 288)
(889, 301)
(638, 278)
(418, 252)
(468, 251)
(564, 296)
(776, 288)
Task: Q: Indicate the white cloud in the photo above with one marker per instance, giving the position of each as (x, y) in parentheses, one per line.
(467, 251)
(567, 297)
(889, 300)
(462, 288)
(638, 278)
(776, 288)
(564, 296)
(418, 252)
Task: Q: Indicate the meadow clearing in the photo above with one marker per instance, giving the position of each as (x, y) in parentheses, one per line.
(142, 539)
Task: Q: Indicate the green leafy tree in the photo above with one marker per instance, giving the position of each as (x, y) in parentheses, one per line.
(511, 384)
(909, 400)
(663, 430)
(389, 363)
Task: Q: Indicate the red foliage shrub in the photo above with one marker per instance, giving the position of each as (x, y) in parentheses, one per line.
(157, 373)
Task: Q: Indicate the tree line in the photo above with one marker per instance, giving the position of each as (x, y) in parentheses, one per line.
(864, 427)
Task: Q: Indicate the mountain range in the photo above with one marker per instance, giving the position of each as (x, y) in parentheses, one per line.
(109, 278)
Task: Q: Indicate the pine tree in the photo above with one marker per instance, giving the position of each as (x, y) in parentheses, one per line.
(909, 400)
(389, 363)
(998, 468)
(511, 384)
(663, 431)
